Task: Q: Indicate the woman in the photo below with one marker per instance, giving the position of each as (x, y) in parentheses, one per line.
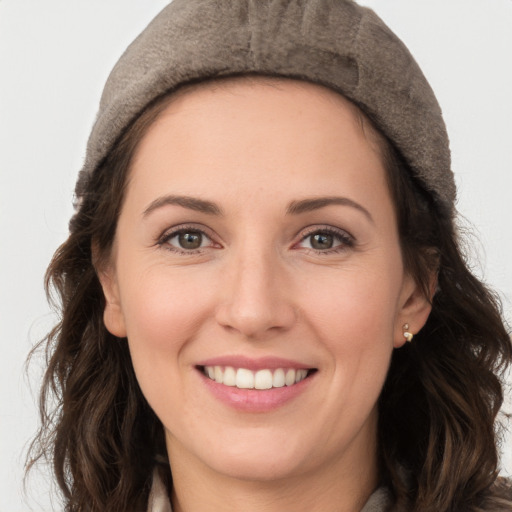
(264, 303)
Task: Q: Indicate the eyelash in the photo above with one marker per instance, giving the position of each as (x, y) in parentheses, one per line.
(163, 241)
(346, 240)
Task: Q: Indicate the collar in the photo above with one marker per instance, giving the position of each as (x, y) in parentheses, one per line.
(158, 499)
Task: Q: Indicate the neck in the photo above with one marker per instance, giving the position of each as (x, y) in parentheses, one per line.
(339, 486)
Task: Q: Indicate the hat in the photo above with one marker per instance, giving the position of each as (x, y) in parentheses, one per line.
(335, 43)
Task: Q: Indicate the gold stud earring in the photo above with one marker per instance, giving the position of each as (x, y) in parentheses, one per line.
(407, 335)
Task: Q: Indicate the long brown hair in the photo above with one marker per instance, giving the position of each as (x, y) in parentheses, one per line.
(438, 435)
(437, 439)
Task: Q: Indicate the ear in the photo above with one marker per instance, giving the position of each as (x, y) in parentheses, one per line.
(113, 317)
(414, 307)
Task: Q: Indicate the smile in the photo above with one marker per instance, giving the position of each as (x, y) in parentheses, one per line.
(244, 378)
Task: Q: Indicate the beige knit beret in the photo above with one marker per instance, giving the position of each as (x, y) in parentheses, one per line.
(336, 43)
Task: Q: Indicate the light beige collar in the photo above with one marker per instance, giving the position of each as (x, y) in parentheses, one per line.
(158, 500)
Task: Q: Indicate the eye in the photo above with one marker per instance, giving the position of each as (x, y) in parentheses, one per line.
(326, 240)
(186, 240)
(321, 241)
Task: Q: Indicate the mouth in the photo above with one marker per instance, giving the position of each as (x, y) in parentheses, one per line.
(262, 379)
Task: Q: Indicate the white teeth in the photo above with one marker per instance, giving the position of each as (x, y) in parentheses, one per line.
(229, 376)
(244, 378)
(300, 375)
(262, 379)
(289, 378)
(278, 378)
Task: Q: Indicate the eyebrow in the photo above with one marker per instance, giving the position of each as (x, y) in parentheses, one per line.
(192, 203)
(294, 208)
(315, 203)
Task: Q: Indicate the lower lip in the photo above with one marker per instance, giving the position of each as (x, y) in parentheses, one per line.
(256, 400)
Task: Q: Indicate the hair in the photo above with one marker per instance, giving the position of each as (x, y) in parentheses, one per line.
(438, 443)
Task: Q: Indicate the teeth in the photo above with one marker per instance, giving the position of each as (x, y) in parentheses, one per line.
(278, 378)
(289, 378)
(244, 378)
(229, 376)
(262, 379)
(300, 375)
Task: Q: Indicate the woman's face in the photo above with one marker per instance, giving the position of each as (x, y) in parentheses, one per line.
(257, 246)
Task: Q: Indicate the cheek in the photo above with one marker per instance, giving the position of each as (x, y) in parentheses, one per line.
(162, 315)
(355, 304)
(354, 321)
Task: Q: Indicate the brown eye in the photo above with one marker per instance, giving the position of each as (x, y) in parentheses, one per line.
(190, 240)
(186, 240)
(327, 241)
(321, 241)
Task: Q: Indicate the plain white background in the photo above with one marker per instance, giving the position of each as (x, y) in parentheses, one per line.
(54, 58)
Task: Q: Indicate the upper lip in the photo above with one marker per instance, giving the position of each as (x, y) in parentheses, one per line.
(260, 363)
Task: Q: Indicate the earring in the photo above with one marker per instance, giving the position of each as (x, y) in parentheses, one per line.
(407, 335)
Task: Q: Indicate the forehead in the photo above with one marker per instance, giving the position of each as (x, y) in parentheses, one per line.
(240, 135)
(287, 88)
(282, 91)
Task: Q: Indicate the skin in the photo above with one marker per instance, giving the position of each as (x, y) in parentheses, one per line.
(257, 287)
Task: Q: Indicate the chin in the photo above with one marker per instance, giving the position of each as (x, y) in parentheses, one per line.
(256, 456)
(258, 468)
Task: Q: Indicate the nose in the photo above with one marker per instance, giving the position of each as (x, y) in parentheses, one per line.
(256, 296)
